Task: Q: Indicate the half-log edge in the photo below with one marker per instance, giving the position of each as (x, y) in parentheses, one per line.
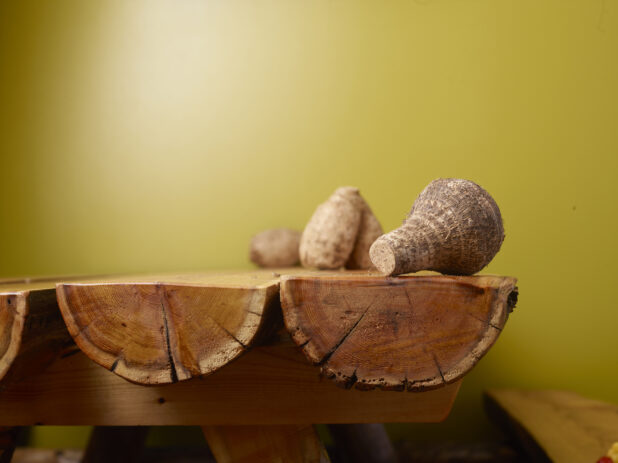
(410, 332)
(32, 332)
(162, 330)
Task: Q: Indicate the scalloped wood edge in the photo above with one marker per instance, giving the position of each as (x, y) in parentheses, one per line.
(154, 330)
(333, 323)
(32, 332)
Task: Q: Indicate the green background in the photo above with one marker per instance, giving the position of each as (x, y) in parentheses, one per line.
(160, 135)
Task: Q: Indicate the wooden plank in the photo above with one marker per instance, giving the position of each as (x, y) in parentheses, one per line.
(268, 385)
(567, 427)
(409, 332)
(265, 444)
(168, 328)
(32, 332)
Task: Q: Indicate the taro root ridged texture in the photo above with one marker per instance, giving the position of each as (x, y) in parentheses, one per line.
(454, 227)
(330, 235)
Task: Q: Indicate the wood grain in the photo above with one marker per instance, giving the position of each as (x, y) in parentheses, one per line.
(32, 332)
(265, 444)
(567, 427)
(412, 332)
(268, 385)
(164, 329)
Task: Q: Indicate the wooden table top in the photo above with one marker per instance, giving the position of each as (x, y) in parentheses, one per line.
(245, 347)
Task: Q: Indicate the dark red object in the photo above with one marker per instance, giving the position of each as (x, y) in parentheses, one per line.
(605, 460)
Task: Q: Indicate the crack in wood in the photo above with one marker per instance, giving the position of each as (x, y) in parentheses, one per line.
(351, 380)
(435, 359)
(114, 365)
(488, 323)
(173, 373)
(330, 353)
(170, 357)
(226, 331)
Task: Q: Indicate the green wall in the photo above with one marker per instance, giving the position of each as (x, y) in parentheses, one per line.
(159, 136)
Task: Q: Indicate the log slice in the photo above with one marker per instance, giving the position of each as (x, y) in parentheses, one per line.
(32, 332)
(164, 329)
(407, 333)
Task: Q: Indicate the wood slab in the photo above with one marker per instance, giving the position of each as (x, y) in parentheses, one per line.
(271, 384)
(406, 333)
(32, 332)
(555, 425)
(169, 328)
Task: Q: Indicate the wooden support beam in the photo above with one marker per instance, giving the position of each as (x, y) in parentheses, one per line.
(411, 332)
(265, 444)
(271, 384)
(32, 332)
(554, 425)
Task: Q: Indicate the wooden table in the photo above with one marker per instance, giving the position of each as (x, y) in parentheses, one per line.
(253, 357)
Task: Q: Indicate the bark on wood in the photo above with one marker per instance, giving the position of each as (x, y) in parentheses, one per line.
(32, 332)
(120, 444)
(414, 333)
(554, 425)
(271, 384)
(167, 329)
(265, 444)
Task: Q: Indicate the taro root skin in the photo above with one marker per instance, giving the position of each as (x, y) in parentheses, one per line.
(330, 235)
(455, 227)
(368, 231)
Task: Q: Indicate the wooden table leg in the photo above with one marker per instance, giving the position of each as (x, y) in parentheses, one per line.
(265, 444)
(8, 441)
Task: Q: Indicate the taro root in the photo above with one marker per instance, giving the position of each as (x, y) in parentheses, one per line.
(368, 231)
(330, 235)
(454, 227)
(340, 232)
(277, 247)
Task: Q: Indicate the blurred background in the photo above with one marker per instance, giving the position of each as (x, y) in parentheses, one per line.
(160, 135)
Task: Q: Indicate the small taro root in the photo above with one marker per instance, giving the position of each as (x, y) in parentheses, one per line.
(368, 231)
(277, 247)
(454, 227)
(330, 235)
